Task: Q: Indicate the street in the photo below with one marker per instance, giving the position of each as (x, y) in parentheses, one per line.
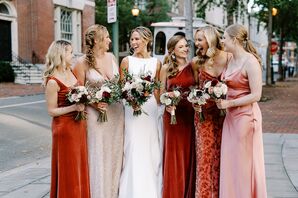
(25, 131)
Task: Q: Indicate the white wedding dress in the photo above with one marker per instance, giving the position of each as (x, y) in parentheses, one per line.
(142, 172)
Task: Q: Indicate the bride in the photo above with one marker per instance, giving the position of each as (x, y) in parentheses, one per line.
(141, 174)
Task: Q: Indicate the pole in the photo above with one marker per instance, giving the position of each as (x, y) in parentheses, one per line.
(188, 26)
(115, 39)
(268, 60)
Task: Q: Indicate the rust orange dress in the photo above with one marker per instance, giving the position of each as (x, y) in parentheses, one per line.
(208, 142)
(69, 174)
(179, 145)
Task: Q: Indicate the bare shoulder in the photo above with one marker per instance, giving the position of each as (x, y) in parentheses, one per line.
(81, 63)
(252, 62)
(52, 85)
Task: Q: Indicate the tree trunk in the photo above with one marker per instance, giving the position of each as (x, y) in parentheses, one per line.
(230, 6)
(268, 55)
(188, 26)
(281, 68)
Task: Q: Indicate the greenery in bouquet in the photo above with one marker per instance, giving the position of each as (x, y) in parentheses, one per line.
(79, 95)
(198, 97)
(137, 89)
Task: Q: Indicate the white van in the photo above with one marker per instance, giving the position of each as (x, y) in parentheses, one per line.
(163, 31)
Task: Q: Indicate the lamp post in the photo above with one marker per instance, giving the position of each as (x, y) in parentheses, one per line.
(269, 71)
(135, 11)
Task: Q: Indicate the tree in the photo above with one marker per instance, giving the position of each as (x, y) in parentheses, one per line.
(234, 8)
(285, 23)
(156, 10)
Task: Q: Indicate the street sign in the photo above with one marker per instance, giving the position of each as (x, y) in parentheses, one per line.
(274, 47)
(112, 11)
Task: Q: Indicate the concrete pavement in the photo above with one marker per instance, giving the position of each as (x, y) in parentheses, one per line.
(281, 161)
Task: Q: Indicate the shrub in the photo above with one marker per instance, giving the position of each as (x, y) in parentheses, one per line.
(6, 72)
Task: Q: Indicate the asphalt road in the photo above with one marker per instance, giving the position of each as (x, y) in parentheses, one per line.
(25, 133)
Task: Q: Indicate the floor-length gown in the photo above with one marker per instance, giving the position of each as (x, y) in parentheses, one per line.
(208, 143)
(105, 144)
(141, 172)
(69, 173)
(242, 170)
(179, 142)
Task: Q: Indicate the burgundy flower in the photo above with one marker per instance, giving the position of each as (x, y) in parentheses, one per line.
(214, 82)
(148, 78)
(106, 94)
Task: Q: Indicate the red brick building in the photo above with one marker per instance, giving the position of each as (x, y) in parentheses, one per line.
(27, 27)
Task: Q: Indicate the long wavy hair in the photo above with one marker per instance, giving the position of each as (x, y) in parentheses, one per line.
(55, 57)
(239, 32)
(213, 39)
(146, 35)
(92, 33)
(170, 58)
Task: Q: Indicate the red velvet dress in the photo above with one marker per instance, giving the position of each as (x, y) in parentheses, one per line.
(208, 142)
(69, 174)
(179, 150)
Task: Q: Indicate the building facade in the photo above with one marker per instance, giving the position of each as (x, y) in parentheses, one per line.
(29, 26)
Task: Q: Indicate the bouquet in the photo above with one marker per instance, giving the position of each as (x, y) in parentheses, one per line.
(217, 90)
(198, 97)
(108, 92)
(171, 98)
(79, 94)
(137, 90)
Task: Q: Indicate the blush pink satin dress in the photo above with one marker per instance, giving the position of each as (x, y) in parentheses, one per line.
(242, 171)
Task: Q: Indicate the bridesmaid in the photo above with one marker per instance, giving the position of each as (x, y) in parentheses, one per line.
(242, 172)
(69, 174)
(208, 65)
(179, 150)
(105, 139)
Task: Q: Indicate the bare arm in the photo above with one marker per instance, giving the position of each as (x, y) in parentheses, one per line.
(254, 73)
(80, 71)
(52, 89)
(194, 67)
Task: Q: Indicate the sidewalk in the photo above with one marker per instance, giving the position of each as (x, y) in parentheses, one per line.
(280, 127)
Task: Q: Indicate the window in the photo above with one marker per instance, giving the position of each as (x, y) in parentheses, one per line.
(3, 9)
(66, 25)
(160, 43)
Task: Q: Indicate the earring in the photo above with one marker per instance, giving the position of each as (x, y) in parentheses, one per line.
(173, 56)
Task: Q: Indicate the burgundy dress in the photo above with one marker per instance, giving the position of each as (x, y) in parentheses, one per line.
(69, 174)
(208, 142)
(179, 150)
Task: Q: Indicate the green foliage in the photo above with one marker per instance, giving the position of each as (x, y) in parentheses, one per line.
(6, 72)
(156, 10)
(286, 20)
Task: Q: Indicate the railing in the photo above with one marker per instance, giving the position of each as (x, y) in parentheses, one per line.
(25, 70)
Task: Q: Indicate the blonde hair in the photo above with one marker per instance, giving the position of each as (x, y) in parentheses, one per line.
(145, 34)
(170, 58)
(55, 57)
(92, 33)
(213, 39)
(240, 33)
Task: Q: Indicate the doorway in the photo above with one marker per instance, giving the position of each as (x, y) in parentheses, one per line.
(5, 41)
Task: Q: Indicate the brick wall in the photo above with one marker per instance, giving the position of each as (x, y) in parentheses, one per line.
(88, 19)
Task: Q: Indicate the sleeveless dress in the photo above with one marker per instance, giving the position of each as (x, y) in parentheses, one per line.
(105, 144)
(208, 142)
(242, 169)
(141, 174)
(179, 142)
(69, 173)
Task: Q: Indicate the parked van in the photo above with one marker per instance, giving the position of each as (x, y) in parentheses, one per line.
(163, 31)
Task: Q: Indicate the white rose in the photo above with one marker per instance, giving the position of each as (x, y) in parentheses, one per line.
(208, 84)
(224, 88)
(176, 93)
(74, 98)
(98, 95)
(217, 92)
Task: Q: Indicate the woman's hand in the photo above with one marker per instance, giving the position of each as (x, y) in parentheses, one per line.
(170, 109)
(102, 106)
(223, 104)
(79, 107)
